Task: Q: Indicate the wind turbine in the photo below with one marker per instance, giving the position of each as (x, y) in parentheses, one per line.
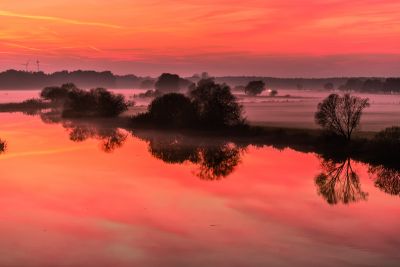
(38, 64)
(26, 65)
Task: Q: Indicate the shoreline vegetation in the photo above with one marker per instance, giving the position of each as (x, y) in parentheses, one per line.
(209, 110)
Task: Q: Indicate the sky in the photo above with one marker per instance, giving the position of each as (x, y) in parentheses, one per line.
(285, 38)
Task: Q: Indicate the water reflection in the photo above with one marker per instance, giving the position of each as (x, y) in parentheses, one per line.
(215, 160)
(3, 146)
(387, 180)
(339, 183)
(110, 138)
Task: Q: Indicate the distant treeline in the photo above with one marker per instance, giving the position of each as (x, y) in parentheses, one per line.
(13, 79)
(361, 84)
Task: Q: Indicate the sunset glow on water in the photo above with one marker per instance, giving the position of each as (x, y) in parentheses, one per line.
(68, 203)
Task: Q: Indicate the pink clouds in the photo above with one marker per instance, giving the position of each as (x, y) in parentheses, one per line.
(138, 33)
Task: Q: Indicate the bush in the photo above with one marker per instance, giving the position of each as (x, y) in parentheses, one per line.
(215, 105)
(210, 106)
(254, 88)
(97, 102)
(172, 110)
(55, 93)
(168, 83)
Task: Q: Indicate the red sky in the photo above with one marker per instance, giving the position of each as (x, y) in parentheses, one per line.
(260, 37)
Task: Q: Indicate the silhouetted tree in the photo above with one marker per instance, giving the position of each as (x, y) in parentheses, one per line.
(339, 183)
(341, 115)
(254, 88)
(96, 102)
(215, 105)
(172, 110)
(388, 180)
(168, 83)
(55, 93)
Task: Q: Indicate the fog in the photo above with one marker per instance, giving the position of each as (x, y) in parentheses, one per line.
(291, 108)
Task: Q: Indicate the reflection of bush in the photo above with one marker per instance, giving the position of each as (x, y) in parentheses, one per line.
(214, 161)
(111, 138)
(339, 183)
(3, 146)
(387, 180)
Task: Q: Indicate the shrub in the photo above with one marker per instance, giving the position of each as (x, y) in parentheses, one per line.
(172, 110)
(96, 102)
(215, 105)
(55, 93)
(210, 105)
(254, 88)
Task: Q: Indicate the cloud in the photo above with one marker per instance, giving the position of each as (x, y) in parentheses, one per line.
(4, 13)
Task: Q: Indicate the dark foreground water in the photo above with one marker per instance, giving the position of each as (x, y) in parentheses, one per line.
(84, 196)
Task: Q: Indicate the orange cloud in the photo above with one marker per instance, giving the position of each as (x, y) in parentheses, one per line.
(141, 32)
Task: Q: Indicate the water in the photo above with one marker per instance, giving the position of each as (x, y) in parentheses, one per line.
(295, 111)
(80, 195)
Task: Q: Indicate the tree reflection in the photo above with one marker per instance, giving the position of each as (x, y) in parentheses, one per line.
(110, 138)
(214, 161)
(3, 146)
(217, 162)
(386, 179)
(339, 183)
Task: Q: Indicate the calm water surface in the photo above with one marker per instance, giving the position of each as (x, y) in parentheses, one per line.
(77, 195)
(296, 111)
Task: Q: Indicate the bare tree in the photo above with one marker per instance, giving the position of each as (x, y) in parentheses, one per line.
(341, 114)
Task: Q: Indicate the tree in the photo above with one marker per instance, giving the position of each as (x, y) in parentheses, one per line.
(341, 115)
(55, 93)
(215, 105)
(254, 88)
(97, 102)
(172, 110)
(168, 83)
